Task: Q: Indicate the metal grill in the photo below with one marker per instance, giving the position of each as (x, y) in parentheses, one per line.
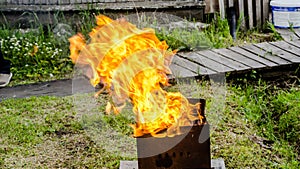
(190, 150)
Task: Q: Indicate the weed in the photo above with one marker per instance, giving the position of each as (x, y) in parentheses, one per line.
(219, 33)
(275, 35)
(276, 114)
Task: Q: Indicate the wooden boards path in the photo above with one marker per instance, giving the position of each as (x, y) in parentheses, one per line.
(289, 34)
(262, 56)
(235, 60)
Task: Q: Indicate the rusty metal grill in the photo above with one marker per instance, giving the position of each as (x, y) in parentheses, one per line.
(190, 150)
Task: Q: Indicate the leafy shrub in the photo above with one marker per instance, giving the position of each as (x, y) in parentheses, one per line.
(34, 56)
(219, 33)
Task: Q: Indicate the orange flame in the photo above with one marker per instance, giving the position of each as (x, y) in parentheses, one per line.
(133, 64)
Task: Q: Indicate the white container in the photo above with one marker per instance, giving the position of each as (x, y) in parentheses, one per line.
(285, 13)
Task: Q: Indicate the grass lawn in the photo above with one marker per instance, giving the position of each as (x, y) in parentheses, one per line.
(74, 132)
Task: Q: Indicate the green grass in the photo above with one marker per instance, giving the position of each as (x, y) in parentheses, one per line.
(45, 132)
(258, 127)
(275, 113)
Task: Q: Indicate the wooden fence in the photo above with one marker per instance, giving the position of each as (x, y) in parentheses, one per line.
(13, 11)
(253, 13)
(60, 2)
(67, 2)
(69, 5)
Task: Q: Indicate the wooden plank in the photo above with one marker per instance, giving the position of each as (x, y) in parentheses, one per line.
(223, 60)
(63, 2)
(231, 3)
(253, 56)
(265, 11)
(75, 1)
(37, 2)
(31, 1)
(279, 52)
(26, 2)
(194, 67)
(239, 58)
(222, 9)
(241, 13)
(296, 43)
(211, 6)
(43, 2)
(15, 2)
(250, 14)
(180, 72)
(258, 13)
(287, 34)
(217, 67)
(287, 47)
(297, 32)
(266, 55)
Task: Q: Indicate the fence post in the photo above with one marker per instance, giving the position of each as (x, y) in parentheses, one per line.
(265, 10)
(258, 13)
(250, 13)
(222, 9)
(241, 13)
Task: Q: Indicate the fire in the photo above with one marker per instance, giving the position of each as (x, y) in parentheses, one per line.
(133, 64)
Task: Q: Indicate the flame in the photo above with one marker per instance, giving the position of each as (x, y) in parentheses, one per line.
(133, 64)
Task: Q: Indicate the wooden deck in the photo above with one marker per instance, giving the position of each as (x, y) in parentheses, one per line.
(263, 57)
(289, 34)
